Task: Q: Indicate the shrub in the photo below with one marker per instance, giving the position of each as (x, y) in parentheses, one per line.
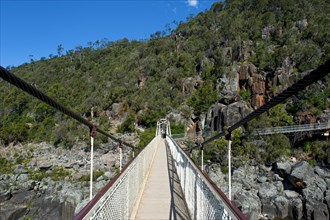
(146, 137)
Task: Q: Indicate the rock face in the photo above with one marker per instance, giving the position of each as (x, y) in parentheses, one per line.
(214, 118)
(262, 193)
(249, 203)
(190, 84)
(54, 184)
(243, 80)
(301, 172)
(220, 115)
(234, 112)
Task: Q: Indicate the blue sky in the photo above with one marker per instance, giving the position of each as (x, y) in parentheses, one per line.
(38, 27)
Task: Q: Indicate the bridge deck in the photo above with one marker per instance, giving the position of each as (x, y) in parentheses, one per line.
(162, 197)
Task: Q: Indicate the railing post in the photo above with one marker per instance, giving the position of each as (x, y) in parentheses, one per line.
(93, 134)
(229, 164)
(120, 157)
(202, 158)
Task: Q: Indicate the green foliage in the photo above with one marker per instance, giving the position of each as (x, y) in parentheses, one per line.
(278, 116)
(311, 101)
(177, 128)
(96, 174)
(128, 125)
(307, 147)
(216, 151)
(5, 166)
(148, 75)
(203, 98)
(57, 173)
(146, 136)
(320, 150)
(246, 95)
(275, 146)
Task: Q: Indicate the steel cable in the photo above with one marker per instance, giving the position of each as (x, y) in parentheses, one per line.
(23, 85)
(307, 80)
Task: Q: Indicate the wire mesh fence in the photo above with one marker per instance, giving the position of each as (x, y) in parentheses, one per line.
(203, 200)
(119, 200)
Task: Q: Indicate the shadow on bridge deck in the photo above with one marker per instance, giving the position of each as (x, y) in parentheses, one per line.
(162, 197)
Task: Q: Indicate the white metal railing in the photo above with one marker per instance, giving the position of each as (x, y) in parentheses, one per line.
(118, 199)
(293, 128)
(204, 200)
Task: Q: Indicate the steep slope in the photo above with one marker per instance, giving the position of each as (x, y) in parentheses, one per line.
(226, 54)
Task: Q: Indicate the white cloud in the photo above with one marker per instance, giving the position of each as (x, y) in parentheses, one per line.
(174, 10)
(193, 3)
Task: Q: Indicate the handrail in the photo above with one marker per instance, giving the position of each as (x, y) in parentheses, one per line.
(293, 128)
(104, 195)
(202, 182)
(28, 88)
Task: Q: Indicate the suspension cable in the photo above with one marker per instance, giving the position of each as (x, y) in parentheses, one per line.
(23, 85)
(301, 84)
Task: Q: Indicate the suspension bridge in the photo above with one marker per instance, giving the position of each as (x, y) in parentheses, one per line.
(324, 126)
(162, 181)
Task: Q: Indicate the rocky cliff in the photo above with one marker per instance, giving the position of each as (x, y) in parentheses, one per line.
(53, 183)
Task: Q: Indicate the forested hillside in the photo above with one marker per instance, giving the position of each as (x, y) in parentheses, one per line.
(180, 71)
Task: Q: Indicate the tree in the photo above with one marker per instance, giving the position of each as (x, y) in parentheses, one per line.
(60, 50)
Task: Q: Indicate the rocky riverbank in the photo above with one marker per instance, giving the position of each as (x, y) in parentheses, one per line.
(43, 182)
(288, 188)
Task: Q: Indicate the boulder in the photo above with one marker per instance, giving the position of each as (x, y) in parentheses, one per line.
(321, 172)
(289, 194)
(20, 171)
(267, 190)
(22, 178)
(282, 207)
(245, 175)
(262, 179)
(228, 96)
(45, 165)
(268, 209)
(316, 210)
(108, 175)
(10, 211)
(51, 208)
(249, 203)
(296, 208)
(277, 177)
(99, 185)
(234, 112)
(327, 180)
(23, 197)
(302, 171)
(4, 196)
(73, 197)
(116, 109)
(327, 198)
(313, 194)
(284, 166)
(235, 188)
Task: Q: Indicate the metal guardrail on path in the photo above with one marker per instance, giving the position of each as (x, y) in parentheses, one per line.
(117, 199)
(293, 128)
(204, 199)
